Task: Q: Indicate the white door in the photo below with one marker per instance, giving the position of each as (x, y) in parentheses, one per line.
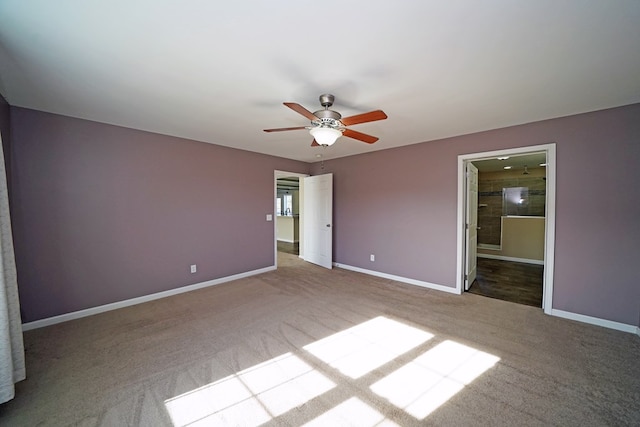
(471, 226)
(318, 220)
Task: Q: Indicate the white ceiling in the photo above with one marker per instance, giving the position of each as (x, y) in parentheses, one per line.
(219, 71)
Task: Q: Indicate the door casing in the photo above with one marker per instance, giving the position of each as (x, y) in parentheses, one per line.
(550, 214)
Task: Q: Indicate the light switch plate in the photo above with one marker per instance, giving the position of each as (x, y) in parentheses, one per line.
(269, 217)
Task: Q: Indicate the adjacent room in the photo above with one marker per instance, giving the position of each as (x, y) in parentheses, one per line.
(288, 214)
(283, 213)
(511, 212)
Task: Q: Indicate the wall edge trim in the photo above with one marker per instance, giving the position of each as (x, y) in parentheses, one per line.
(512, 259)
(138, 300)
(398, 278)
(595, 321)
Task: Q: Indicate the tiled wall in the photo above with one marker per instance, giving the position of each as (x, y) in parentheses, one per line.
(490, 187)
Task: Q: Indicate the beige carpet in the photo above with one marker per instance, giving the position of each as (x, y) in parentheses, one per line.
(307, 345)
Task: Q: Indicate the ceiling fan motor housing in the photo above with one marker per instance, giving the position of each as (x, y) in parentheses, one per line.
(327, 114)
(327, 117)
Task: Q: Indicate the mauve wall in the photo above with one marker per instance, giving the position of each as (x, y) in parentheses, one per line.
(103, 213)
(401, 205)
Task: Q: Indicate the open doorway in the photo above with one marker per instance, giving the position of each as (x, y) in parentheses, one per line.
(288, 213)
(510, 228)
(512, 239)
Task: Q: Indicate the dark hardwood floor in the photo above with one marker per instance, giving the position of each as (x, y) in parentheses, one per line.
(290, 248)
(510, 281)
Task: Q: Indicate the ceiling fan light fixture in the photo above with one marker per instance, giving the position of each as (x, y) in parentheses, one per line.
(328, 125)
(325, 135)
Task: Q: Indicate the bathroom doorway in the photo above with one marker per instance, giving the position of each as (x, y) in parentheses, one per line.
(510, 228)
(515, 224)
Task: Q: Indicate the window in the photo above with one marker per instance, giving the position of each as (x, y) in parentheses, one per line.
(287, 204)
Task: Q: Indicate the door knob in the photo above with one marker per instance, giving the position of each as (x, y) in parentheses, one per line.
(328, 225)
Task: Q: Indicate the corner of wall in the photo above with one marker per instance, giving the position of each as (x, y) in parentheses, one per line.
(5, 136)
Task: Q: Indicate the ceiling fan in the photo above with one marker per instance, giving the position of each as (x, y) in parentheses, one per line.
(328, 125)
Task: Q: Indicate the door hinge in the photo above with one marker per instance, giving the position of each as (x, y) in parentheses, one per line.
(466, 277)
(466, 226)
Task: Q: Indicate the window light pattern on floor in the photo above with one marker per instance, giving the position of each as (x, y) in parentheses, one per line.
(270, 389)
(431, 379)
(359, 350)
(351, 412)
(250, 397)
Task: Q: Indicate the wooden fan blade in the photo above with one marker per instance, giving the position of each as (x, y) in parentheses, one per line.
(283, 129)
(301, 110)
(314, 143)
(371, 116)
(360, 136)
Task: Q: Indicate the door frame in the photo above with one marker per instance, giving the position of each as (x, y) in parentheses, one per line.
(550, 214)
(283, 174)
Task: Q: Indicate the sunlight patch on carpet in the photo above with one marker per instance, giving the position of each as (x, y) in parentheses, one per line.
(250, 397)
(361, 349)
(431, 379)
(352, 412)
(271, 389)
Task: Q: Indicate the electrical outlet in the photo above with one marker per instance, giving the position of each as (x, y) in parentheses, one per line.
(193, 268)
(372, 257)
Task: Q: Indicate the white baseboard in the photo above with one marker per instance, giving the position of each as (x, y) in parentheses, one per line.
(288, 241)
(398, 278)
(139, 300)
(596, 321)
(512, 259)
(638, 331)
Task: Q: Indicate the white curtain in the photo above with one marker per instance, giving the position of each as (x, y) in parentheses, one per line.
(12, 367)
